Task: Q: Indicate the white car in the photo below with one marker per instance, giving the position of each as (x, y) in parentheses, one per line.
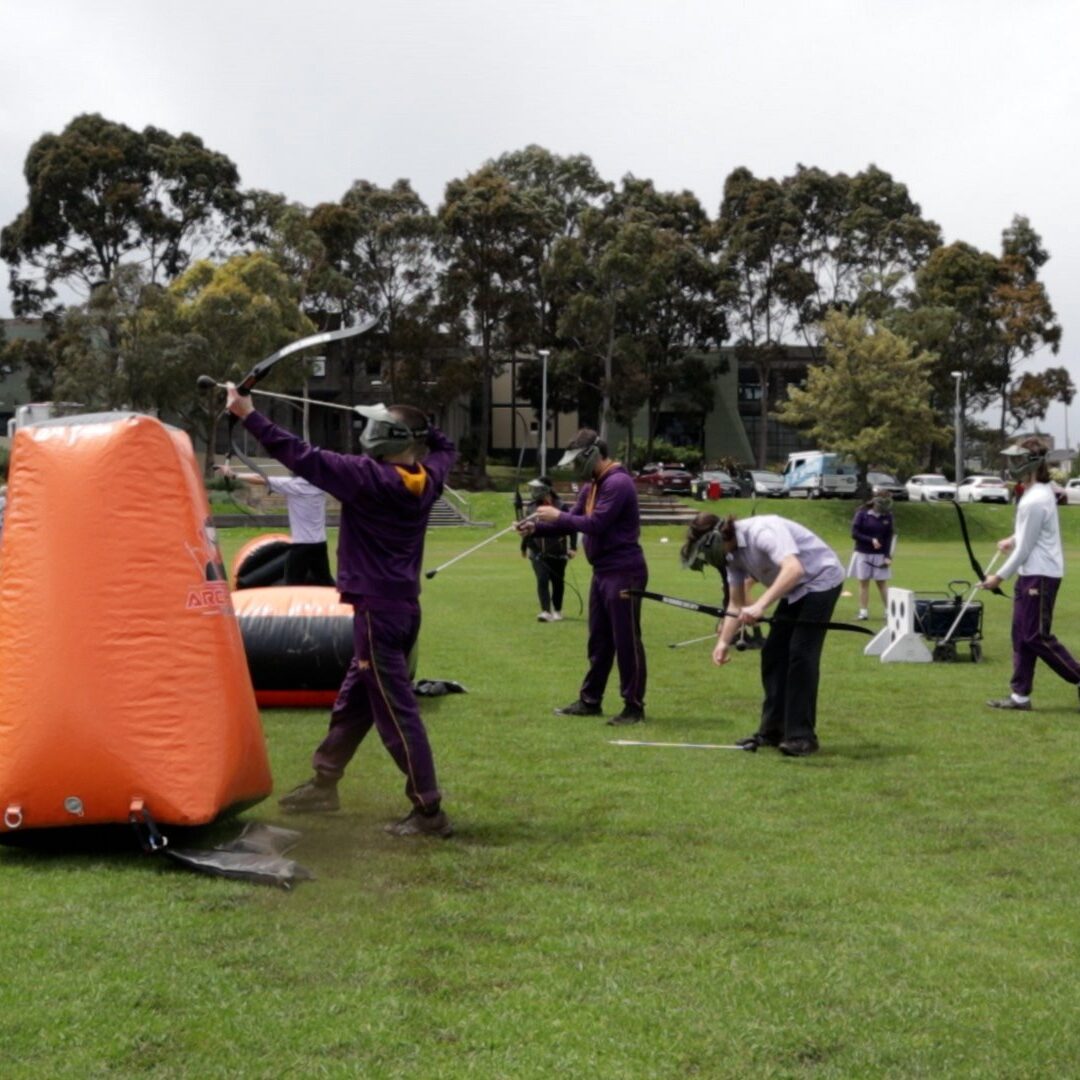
(983, 489)
(930, 487)
(1072, 492)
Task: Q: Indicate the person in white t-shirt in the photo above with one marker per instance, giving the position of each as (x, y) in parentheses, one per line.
(1035, 551)
(307, 561)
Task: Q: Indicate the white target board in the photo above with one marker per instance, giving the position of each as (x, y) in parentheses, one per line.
(900, 641)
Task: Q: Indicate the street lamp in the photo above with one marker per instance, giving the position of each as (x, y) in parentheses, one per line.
(958, 424)
(543, 354)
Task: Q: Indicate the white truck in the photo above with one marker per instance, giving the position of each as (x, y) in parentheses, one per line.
(813, 474)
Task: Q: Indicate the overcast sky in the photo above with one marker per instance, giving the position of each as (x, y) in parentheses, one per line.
(973, 104)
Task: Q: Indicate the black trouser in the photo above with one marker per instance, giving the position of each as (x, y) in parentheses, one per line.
(791, 666)
(308, 564)
(550, 573)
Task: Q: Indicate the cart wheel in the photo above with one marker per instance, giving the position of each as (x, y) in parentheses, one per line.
(945, 653)
(976, 652)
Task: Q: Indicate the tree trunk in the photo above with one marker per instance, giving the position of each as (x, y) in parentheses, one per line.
(605, 403)
(763, 430)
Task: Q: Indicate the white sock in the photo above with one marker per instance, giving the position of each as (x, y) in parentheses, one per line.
(1020, 699)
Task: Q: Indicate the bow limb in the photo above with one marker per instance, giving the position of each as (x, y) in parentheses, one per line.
(976, 566)
(720, 613)
(264, 367)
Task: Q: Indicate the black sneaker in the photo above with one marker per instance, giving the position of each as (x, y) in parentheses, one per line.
(417, 823)
(629, 715)
(314, 796)
(798, 747)
(1009, 703)
(756, 741)
(580, 708)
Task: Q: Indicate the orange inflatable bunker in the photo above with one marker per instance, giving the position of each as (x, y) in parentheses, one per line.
(123, 679)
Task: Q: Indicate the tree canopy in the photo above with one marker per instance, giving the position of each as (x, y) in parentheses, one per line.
(630, 288)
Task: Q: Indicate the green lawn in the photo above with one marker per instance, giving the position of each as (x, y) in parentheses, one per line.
(902, 904)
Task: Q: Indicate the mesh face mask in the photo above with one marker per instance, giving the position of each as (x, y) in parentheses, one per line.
(582, 460)
(706, 550)
(384, 434)
(539, 490)
(1021, 460)
(881, 503)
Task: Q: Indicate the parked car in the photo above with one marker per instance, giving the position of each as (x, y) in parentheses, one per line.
(727, 487)
(930, 487)
(1072, 492)
(982, 489)
(887, 482)
(760, 482)
(663, 479)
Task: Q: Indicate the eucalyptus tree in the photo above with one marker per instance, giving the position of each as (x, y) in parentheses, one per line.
(558, 189)
(1031, 396)
(1024, 317)
(951, 313)
(861, 238)
(488, 231)
(768, 291)
(640, 294)
(100, 195)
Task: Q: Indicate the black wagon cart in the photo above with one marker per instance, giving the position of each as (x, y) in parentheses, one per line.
(950, 618)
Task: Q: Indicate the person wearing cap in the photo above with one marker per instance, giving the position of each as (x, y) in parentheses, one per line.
(606, 514)
(307, 561)
(386, 496)
(1035, 555)
(803, 577)
(875, 538)
(548, 554)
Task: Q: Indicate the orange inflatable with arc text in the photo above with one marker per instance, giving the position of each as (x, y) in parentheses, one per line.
(124, 680)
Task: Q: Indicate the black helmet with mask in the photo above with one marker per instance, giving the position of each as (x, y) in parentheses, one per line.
(386, 434)
(583, 454)
(541, 488)
(704, 545)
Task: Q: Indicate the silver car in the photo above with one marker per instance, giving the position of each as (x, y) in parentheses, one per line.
(769, 484)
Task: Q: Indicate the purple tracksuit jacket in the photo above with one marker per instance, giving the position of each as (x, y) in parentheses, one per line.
(384, 515)
(611, 531)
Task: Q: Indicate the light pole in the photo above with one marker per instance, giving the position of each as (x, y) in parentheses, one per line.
(543, 354)
(958, 423)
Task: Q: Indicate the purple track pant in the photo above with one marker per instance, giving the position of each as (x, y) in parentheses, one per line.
(1032, 638)
(378, 690)
(615, 634)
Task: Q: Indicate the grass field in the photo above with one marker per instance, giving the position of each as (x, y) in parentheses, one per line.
(902, 904)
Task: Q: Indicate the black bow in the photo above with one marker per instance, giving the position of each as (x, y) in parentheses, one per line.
(720, 613)
(976, 566)
(264, 367)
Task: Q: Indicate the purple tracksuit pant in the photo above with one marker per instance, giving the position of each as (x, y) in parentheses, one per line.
(378, 690)
(1032, 638)
(615, 634)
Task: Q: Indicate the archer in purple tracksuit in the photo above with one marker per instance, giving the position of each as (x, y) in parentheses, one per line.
(606, 514)
(386, 496)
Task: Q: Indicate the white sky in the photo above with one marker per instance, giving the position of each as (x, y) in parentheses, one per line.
(973, 104)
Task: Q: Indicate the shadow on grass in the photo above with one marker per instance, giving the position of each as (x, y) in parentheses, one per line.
(872, 751)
